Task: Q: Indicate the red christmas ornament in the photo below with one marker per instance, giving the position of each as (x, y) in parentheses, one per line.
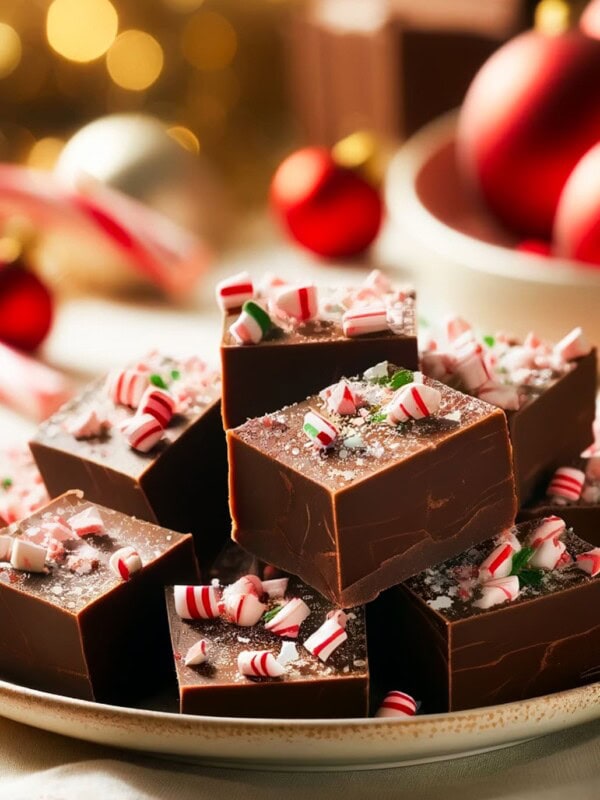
(325, 207)
(577, 224)
(536, 247)
(26, 307)
(530, 114)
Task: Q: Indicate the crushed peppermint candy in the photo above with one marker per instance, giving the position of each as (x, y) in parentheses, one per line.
(397, 705)
(259, 664)
(197, 653)
(326, 639)
(88, 522)
(124, 562)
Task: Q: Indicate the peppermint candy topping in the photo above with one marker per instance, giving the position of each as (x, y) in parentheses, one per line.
(287, 621)
(252, 324)
(233, 292)
(589, 562)
(326, 639)
(365, 319)
(341, 399)
(498, 591)
(5, 548)
(126, 387)
(413, 401)
(397, 704)
(319, 430)
(548, 554)
(259, 664)
(566, 483)
(298, 302)
(573, 345)
(124, 562)
(89, 424)
(550, 528)
(472, 369)
(197, 653)
(28, 556)
(54, 529)
(276, 587)
(143, 432)
(501, 395)
(159, 403)
(455, 327)
(197, 602)
(377, 282)
(499, 562)
(87, 523)
(242, 609)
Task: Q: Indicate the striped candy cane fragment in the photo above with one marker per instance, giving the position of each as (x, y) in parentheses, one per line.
(259, 664)
(242, 609)
(414, 401)
(501, 395)
(276, 587)
(326, 639)
(364, 319)
(548, 554)
(589, 562)
(498, 591)
(498, 564)
(27, 556)
(124, 562)
(125, 387)
(567, 482)
(197, 654)
(342, 400)
(549, 529)
(143, 432)
(339, 616)
(247, 584)
(456, 326)
(6, 543)
(233, 292)
(159, 403)
(298, 302)
(472, 370)
(252, 324)
(89, 424)
(197, 602)
(287, 621)
(397, 704)
(573, 345)
(57, 529)
(319, 430)
(88, 522)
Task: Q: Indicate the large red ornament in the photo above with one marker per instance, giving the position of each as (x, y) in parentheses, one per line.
(577, 223)
(26, 307)
(530, 114)
(327, 208)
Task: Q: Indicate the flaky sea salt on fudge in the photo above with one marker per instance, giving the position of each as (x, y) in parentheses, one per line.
(267, 648)
(288, 340)
(547, 391)
(147, 441)
(81, 593)
(512, 618)
(369, 482)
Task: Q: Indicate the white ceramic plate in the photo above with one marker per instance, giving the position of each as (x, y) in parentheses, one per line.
(302, 744)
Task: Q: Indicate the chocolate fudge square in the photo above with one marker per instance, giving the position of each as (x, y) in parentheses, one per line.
(309, 688)
(77, 627)
(168, 484)
(384, 501)
(441, 646)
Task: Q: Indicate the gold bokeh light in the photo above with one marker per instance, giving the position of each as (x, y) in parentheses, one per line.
(45, 152)
(185, 137)
(81, 30)
(209, 41)
(135, 60)
(10, 49)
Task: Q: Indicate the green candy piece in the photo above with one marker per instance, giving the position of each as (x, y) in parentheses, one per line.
(259, 315)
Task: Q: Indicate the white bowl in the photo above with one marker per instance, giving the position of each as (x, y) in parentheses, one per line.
(464, 262)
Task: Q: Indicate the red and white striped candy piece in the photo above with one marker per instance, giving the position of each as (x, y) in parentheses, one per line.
(455, 326)
(341, 399)
(573, 345)
(5, 547)
(339, 616)
(259, 664)
(276, 587)
(499, 562)
(326, 639)
(550, 528)
(567, 482)
(252, 324)
(501, 395)
(87, 522)
(298, 302)
(472, 371)
(287, 621)
(247, 584)
(197, 602)
(365, 319)
(548, 554)
(319, 430)
(233, 292)
(196, 654)
(498, 591)
(397, 704)
(124, 562)
(143, 432)
(159, 403)
(413, 401)
(589, 562)
(242, 609)
(89, 424)
(57, 529)
(27, 556)
(125, 387)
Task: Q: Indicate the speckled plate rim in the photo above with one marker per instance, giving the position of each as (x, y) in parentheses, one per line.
(302, 744)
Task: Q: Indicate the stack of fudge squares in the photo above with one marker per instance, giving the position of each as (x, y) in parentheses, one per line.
(326, 527)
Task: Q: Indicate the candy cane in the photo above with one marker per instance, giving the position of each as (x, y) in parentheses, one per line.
(87, 522)
(341, 399)
(233, 292)
(124, 562)
(500, 395)
(252, 324)
(298, 302)
(498, 591)
(397, 704)
(319, 430)
(143, 432)
(126, 386)
(498, 564)
(573, 345)
(548, 554)
(27, 556)
(159, 403)
(567, 482)
(589, 562)
(413, 401)
(197, 602)
(287, 621)
(550, 528)
(243, 609)
(259, 664)
(365, 319)
(326, 639)
(197, 653)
